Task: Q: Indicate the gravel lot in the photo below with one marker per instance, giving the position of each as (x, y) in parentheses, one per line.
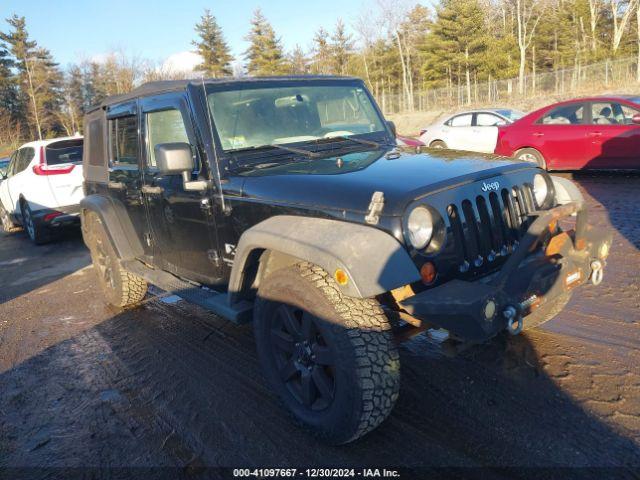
(170, 385)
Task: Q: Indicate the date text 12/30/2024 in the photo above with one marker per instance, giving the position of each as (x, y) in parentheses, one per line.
(315, 473)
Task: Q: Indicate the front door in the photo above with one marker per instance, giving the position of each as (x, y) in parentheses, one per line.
(182, 225)
(562, 137)
(5, 196)
(125, 178)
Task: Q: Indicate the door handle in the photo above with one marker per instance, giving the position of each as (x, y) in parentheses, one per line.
(595, 134)
(152, 190)
(538, 134)
(116, 185)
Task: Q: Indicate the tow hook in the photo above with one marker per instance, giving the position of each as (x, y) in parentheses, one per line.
(514, 320)
(597, 272)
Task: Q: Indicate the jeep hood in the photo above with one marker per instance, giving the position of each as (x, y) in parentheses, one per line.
(324, 184)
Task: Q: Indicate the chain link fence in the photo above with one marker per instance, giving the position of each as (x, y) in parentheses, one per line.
(597, 77)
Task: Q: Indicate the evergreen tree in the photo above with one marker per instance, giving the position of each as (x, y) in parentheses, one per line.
(212, 47)
(264, 55)
(341, 48)
(298, 62)
(456, 44)
(321, 59)
(9, 104)
(38, 76)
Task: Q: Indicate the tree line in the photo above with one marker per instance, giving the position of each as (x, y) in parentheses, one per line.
(398, 47)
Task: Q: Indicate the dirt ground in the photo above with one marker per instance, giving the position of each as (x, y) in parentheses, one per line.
(169, 385)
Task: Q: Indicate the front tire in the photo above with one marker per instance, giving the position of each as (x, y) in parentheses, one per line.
(439, 144)
(330, 358)
(6, 223)
(37, 233)
(121, 288)
(531, 155)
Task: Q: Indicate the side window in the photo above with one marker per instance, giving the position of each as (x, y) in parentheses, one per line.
(166, 126)
(11, 169)
(123, 140)
(612, 113)
(461, 121)
(25, 155)
(488, 120)
(564, 115)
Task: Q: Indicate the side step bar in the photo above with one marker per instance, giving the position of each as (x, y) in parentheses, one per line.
(216, 302)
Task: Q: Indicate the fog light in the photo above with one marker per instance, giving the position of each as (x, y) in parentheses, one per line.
(489, 309)
(604, 250)
(341, 277)
(428, 273)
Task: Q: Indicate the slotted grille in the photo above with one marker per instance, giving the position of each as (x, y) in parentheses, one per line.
(490, 225)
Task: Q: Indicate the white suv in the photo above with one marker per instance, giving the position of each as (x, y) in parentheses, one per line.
(42, 187)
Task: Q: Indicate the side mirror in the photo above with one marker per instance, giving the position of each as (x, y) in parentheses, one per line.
(174, 158)
(3, 175)
(636, 119)
(392, 127)
(177, 159)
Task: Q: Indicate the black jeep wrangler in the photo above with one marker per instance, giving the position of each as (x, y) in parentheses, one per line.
(286, 201)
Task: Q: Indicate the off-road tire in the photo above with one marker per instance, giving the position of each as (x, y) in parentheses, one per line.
(531, 155)
(438, 144)
(121, 288)
(367, 372)
(546, 312)
(37, 233)
(6, 224)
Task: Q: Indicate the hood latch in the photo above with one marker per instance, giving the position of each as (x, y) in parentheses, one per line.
(375, 208)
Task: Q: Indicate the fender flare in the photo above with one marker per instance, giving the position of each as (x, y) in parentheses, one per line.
(374, 261)
(118, 226)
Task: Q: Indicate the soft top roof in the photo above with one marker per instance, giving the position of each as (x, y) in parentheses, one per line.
(163, 86)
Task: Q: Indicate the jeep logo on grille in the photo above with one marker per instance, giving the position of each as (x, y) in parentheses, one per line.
(487, 187)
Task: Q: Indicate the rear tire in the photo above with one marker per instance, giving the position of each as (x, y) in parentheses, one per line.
(121, 288)
(330, 358)
(531, 155)
(37, 233)
(6, 224)
(438, 144)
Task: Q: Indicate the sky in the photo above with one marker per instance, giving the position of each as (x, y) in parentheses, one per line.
(76, 30)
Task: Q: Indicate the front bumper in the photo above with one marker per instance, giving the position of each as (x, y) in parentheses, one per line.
(476, 311)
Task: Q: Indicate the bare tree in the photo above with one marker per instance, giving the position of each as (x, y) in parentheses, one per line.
(595, 11)
(368, 33)
(621, 11)
(393, 14)
(527, 14)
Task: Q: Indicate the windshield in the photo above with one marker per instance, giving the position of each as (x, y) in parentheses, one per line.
(247, 118)
(512, 115)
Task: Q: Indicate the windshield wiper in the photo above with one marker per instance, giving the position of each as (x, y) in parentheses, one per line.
(248, 167)
(369, 143)
(301, 151)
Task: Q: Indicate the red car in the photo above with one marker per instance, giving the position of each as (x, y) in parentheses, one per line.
(587, 133)
(408, 141)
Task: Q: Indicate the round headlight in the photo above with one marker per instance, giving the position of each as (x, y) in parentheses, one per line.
(420, 227)
(540, 189)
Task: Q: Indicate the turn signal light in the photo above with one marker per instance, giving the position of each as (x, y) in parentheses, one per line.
(341, 277)
(428, 273)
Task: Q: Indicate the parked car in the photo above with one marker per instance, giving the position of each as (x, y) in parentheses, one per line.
(285, 201)
(404, 141)
(4, 163)
(474, 131)
(42, 187)
(588, 133)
